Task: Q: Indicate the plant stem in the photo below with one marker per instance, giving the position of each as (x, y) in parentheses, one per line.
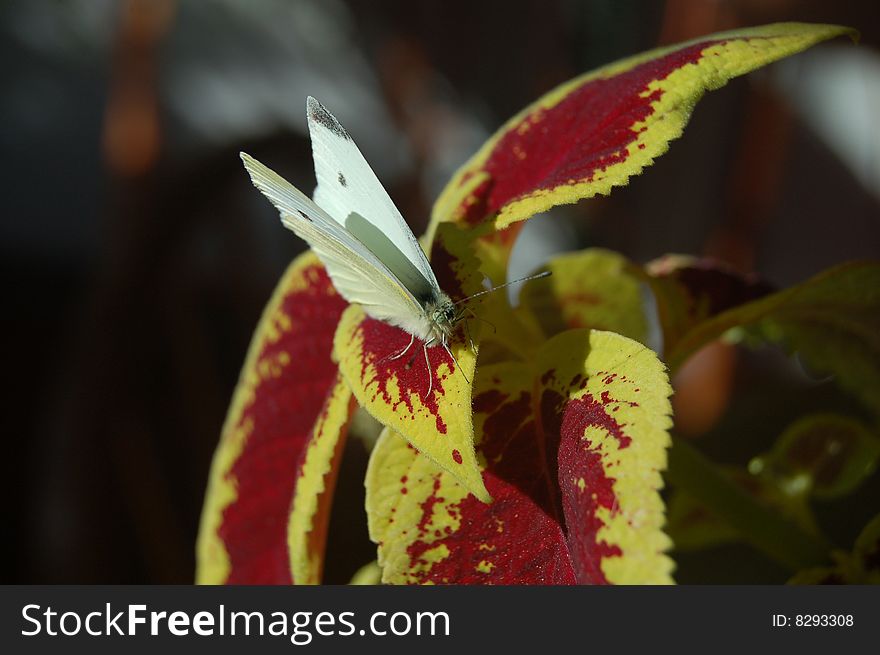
(766, 530)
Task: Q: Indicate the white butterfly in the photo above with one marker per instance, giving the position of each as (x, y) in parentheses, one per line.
(369, 251)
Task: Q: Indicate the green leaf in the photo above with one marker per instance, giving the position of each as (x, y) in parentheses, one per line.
(825, 455)
(867, 551)
(693, 525)
(832, 320)
(861, 566)
(759, 524)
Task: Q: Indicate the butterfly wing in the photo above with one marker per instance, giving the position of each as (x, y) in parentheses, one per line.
(358, 274)
(350, 192)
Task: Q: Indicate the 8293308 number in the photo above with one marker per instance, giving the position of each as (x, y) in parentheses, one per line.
(823, 620)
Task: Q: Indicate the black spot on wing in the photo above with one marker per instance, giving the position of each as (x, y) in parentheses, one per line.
(342, 180)
(324, 118)
(304, 215)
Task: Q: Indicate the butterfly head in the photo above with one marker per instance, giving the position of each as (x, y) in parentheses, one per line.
(443, 316)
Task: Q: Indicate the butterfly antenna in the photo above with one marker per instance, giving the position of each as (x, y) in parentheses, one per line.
(480, 318)
(527, 278)
(456, 363)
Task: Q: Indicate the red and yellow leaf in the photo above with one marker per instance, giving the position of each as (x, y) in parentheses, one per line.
(598, 130)
(423, 395)
(315, 481)
(593, 288)
(689, 291)
(571, 449)
(280, 443)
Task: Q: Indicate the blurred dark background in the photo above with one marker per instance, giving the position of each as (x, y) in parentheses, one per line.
(137, 257)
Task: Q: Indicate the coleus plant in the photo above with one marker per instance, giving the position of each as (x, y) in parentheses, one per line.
(543, 458)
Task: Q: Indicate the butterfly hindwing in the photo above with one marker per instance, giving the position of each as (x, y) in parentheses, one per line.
(357, 273)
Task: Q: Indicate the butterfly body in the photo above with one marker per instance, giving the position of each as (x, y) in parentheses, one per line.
(434, 326)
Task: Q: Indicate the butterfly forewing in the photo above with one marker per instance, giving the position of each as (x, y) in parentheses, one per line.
(350, 192)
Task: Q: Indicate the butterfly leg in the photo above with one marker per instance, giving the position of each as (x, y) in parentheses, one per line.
(467, 331)
(446, 347)
(428, 366)
(400, 354)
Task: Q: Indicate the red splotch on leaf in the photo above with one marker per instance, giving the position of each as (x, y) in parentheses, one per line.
(713, 286)
(585, 133)
(593, 413)
(427, 506)
(282, 411)
(606, 399)
(456, 456)
(487, 401)
(510, 541)
(579, 460)
(508, 417)
(548, 484)
(444, 263)
(381, 343)
(474, 208)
